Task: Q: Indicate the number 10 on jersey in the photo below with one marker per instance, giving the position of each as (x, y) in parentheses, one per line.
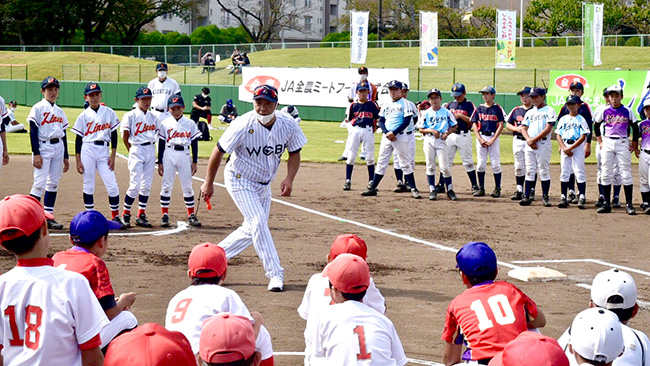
(500, 308)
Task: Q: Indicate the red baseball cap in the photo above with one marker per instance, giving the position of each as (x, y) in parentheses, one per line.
(531, 348)
(348, 243)
(348, 273)
(20, 215)
(226, 337)
(209, 258)
(150, 345)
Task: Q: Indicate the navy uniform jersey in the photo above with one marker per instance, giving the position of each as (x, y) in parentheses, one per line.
(363, 114)
(488, 118)
(585, 112)
(466, 108)
(516, 116)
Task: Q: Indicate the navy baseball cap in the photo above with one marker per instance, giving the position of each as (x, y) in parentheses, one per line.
(229, 102)
(92, 88)
(394, 84)
(524, 90)
(175, 100)
(537, 91)
(577, 85)
(476, 259)
(143, 92)
(48, 81)
(488, 89)
(88, 226)
(573, 99)
(161, 66)
(457, 90)
(363, 70)
(405, 86)
(434, 91)
(267, 92)
(363, 86)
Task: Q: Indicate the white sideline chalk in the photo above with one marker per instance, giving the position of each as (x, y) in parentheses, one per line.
(536, 274)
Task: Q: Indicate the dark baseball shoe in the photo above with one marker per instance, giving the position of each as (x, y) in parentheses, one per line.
(164, 221)
(616, 202)
(563, 203)
(193, 221)
(480, 192)
(582, 202)
(53, 225)
(572, 197)
(433, 195)
(347, 185)
(525, 201)
(342, 158)
(629, 208)
(440, 188)
(532, 194)
(600, 202)
(276, 284)
(369, 184)
(644, 206)
(605, 208)
(142, 221)
(546, 200)
(369, 192)
(517, 196)
(119, 221)
(401, 187)
(452, 195)
(496, 193)
(127, 220)
(647, 210)
(415, 193)
(475, 190)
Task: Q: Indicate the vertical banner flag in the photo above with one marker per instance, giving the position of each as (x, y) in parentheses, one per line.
(506, 34)
(593, 33)
(358, 36)
(428, 38)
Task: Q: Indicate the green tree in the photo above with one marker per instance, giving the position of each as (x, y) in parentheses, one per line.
(559, 17)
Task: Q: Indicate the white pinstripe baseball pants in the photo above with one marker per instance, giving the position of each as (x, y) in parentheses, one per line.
(254, 202)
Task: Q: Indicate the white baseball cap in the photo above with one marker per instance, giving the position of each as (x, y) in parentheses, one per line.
(616, 88)
(613, 282)
(646, 103)
(596, 335)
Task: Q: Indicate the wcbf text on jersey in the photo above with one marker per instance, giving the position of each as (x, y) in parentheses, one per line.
(267, 150)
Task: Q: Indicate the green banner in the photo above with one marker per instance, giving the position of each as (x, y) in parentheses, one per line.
(593, 33)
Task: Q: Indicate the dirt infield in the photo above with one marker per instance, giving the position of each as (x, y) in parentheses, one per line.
(417, 279)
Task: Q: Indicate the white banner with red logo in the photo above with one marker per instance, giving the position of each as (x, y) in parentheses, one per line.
(323, 87)
(358, 36)
(506, 39)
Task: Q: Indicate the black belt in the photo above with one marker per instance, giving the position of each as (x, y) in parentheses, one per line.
(571, 142)
(614, 137)
(100, 143)
(487, 133)
(646, 151)
(178, 147)
(484, 361)
(264, 183)
(520, 137)
(408, 133)
(362, 126)
(52, 141)
(460, 131)
(543, 138)
(159, 110)
(146, 143)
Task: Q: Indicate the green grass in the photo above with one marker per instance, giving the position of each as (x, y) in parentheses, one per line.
(474, 66)
(326, 141)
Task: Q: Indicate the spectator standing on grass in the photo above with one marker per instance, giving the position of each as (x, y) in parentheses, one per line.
(201, 106)
(228, 112)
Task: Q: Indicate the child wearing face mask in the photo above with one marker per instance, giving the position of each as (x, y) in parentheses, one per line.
(12, 125)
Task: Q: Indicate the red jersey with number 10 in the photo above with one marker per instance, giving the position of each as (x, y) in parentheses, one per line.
(488, 316)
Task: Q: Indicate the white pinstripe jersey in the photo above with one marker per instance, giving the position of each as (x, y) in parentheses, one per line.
(188, 309)
(180, 132)
(162, 91)
(49, 118)
(142, 126)
(4, 112)
(96, 126)
(255, 150)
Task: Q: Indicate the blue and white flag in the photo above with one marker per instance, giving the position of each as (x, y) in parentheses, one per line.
(358, 36)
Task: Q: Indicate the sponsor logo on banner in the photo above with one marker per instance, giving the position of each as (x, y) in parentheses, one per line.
(564, 81)
(262, 80)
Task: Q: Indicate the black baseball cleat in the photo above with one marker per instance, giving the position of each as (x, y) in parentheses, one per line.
(546, 200)
(572, 197)
(342, 158)
(616, 203)
(433, 195)
(440, 188)
(401, 187)
(629, 208)
(127, 220)
(53, 225)
(193, 221)
(605, 208)
(475, 190)
(119, 221)
(369, 192)
(647, 210)
(525, 201)
(164, 221)
(347, 185)
(142, 221)
(532, 194)
(575, 200)
(600, 202)
(496, 193)
(452, 195)
(517, 196)
(415, 193)
(582, 203)
(480, 192)
(563, 203)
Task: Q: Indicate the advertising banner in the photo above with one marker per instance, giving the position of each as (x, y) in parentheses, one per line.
(592, 33)
(358, 36)
(506, 39)
(428, 38)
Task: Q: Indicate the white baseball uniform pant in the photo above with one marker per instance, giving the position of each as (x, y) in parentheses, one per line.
(161, 115)
(436, 148)
(519, 155)
(492, 151)
(14, 128)
(538, 161)
(366, 138)
(175, 161)
(142, 164)
(125, 320)
(49, 175)
(599, 166)
(644, 170)
(461, 142)
(616, 151)
(404, 146)
(95, 158)
(253, 200)
(573, 164)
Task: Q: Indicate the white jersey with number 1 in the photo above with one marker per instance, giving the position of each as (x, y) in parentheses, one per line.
(162, 91)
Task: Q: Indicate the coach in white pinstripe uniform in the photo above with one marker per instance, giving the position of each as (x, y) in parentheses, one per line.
(256, 142)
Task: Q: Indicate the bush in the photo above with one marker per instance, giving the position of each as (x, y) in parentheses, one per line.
(633, 42)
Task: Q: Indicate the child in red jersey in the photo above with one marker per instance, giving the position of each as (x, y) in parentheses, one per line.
(487, 315)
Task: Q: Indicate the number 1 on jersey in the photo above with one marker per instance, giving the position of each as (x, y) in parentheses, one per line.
(362, 355)
(501, 311)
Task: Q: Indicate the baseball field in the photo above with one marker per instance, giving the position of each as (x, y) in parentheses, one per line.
(411, 243)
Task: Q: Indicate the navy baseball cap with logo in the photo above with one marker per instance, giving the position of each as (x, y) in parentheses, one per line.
(363, 86)
(577, 85)
(488, 89)
(267, 92)
(434, 91)
(175, 100)
(161, 66)
(573, 99)
(537, 91)
(50, 81)
(524, 90)
(88, 226)
(92, 88)
(457, 90)
(143, 92)
(405, 86)
(363, 70)
(394, 84)
(476, 259)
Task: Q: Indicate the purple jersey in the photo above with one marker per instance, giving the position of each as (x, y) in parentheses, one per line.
(488, 118)
(466, 108)
(644, 132)
(615, 121)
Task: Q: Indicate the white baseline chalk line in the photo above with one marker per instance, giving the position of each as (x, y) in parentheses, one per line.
(181, 226)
